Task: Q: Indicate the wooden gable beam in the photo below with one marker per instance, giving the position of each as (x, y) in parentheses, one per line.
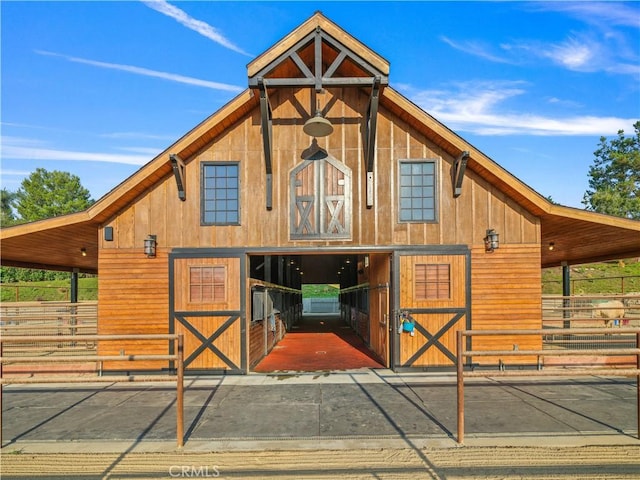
(371, 120)
(316, 79)
(457, 172)
(266, 122)
(178, 172)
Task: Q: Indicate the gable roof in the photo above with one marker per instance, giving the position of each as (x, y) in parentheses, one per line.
(579, 236)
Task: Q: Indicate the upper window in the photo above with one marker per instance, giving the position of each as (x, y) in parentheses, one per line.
(220, 194)
(418, 191)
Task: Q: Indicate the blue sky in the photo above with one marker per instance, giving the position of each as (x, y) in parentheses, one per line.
(99, 88)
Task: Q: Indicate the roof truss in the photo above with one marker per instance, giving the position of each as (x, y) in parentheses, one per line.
(317, 79)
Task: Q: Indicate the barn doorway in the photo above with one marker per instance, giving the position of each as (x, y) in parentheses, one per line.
(331, 326)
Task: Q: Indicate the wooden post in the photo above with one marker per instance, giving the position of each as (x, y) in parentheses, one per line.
(460, 378)
(638, 384)
(1, 388)
(566, 293)
(180, 393)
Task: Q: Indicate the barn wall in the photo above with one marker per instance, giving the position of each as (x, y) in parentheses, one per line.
(506, 292)
(506, 284)
(133, 298)
(462, 220)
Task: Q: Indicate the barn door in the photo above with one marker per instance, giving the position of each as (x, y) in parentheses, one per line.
(207, 307)
(433, 302)
(380, 340)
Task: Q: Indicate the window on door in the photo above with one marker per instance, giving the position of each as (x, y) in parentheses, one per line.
(432, 281)
(207, 284)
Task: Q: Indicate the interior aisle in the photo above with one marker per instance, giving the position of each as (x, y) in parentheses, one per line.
(319, 343)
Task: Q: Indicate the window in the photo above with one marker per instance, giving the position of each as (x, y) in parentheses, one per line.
(220, 187)
(418, 191)
(207, 284)
(433, 281)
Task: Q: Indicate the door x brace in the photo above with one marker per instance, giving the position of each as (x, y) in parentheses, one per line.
(207, 342)
(434, 340)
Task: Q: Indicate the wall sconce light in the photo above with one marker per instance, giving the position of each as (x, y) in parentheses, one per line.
(150, 246)
(83, 252)
(491, 241)
(552, 246)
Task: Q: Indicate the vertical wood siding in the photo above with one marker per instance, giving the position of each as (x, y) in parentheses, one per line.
(461, 220)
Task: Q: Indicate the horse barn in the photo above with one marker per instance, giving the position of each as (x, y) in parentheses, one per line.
(319, 173)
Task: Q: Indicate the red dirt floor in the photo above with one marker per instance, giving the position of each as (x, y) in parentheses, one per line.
(319, 343)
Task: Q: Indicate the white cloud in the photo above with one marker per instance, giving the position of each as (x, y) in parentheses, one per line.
(151, 152)
(198, 26)
(476, 49)
(479, 108)
(136, 135)
(147, 72)
(14, 173)
(572, 54)
(606, 43)
(597, 13)
(17, 152)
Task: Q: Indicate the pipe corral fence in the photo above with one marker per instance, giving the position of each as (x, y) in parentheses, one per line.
(175, 362)
(466, 368)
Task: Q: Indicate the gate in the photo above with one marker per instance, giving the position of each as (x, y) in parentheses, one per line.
(207, 305)
(433, 301)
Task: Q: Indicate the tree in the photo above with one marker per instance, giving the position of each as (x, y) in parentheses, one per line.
(45, 194)
(614, 177)
(7, 217)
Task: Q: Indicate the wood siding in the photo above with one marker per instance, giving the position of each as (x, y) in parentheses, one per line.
(506, 294)
(133, 298)
(461, 220)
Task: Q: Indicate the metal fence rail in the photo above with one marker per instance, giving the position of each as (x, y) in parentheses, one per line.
(177, 357)
(465, 354)
(39, 319)
(601, 312)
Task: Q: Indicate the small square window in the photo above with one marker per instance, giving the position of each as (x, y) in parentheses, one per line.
(433, 281)
(207, 284)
